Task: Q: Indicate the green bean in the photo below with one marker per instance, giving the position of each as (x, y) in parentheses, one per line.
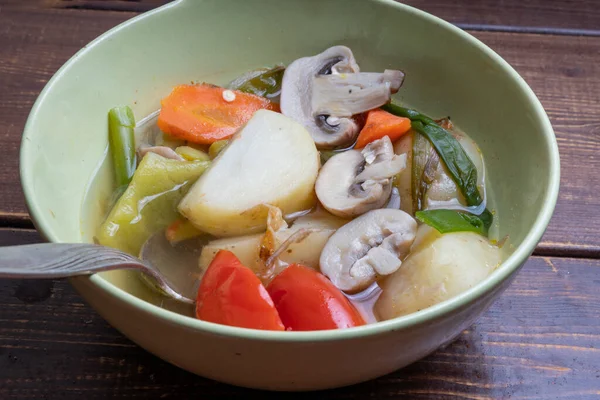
(446, 221)
(122, 143)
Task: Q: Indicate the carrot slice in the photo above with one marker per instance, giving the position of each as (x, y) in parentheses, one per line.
(200, 113)
(379, 124)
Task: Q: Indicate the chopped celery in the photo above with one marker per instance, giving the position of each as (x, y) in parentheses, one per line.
(149, 203)
(192, 154)
(217, 147)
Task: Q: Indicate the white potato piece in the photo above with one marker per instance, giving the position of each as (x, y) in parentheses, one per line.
(271, 160)
(306, 252)
(438, 268)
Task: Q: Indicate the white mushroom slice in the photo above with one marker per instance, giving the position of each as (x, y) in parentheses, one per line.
(345, 95)
(163, 151)
(324, 91)
(370, 246)
(354, 182)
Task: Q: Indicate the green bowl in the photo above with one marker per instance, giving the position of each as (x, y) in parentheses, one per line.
(449, 72)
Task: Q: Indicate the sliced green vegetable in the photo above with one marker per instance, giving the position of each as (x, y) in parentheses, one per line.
(150, 202)
(122, 143)
(265, 83)
(446, 221)
(326, 155)
(460, 166)
(421, 169)
(192, 154)
(216, 148)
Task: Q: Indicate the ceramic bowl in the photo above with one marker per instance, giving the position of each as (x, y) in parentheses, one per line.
(448, 72)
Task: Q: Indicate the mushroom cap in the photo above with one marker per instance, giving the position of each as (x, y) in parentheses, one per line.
(369, 246)
(354, 182)
(324, 91)
(296, 95)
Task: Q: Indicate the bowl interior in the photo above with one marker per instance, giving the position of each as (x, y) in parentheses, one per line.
(448, 73)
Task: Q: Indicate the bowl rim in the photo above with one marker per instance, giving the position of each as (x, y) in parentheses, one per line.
(510, 266)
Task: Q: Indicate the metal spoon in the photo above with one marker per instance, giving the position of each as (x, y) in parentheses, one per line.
(63, 260)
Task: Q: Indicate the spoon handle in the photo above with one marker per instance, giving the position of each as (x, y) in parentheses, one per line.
(62, 260)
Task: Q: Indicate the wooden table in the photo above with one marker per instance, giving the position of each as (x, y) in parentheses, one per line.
(541, 340)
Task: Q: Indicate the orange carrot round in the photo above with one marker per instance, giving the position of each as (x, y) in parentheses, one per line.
(381, 123)
(204, 114)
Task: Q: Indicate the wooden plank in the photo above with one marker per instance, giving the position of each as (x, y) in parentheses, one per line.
(540, 340)
(560, 16)
(564, 71)
(565, 16)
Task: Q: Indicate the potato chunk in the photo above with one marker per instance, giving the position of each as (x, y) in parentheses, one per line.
(271, 160)
(438, 268)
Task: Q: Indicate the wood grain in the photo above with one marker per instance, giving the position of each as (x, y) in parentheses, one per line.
(541, 340)
(558, 16)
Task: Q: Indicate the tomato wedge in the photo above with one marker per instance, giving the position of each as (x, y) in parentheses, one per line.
(231, 294)
(306, 300)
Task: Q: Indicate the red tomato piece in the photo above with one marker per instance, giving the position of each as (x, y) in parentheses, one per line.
(306, 300)
(231, 294)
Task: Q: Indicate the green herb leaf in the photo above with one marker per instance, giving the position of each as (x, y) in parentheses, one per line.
(461, 168)
(446, 221)
(265, 84)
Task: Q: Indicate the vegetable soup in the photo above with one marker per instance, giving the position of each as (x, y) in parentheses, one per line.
(304, 197)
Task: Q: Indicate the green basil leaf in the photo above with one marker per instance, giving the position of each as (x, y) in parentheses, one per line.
(461, 168)
(446, 221)
(265, 84)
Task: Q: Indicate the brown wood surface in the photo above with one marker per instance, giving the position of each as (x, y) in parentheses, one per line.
(541, 340)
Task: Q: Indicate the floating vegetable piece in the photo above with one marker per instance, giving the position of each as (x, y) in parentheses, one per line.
(191, 154)
(162, 151)
(324, 91)
(438, 268)
(446, 221)
(230, 294)
(403, 180)
(307, 301)
(271, 160)
(306, 251)
(181, 229)
(379, 124)
(369, 246)
(460, 166)
(215, 149)
(150, 202)
(121, 124)
(205, 113)
(261, 82)
(354, 182)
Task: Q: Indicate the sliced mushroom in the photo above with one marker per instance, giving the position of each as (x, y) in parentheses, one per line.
(354, 182)
(372, 245)
(324, 91)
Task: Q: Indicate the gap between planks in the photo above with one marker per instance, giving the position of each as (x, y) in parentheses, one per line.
(140, 7)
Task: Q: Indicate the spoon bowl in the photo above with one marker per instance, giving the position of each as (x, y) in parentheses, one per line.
(176, 262)
(65, 260)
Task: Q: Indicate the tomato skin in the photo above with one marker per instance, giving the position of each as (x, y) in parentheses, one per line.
(306, 300)
(231, 294)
